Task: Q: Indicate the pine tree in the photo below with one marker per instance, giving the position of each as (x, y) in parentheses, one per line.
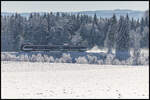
(95, 19)
(133, 24)
(122, 40)
(110, 38)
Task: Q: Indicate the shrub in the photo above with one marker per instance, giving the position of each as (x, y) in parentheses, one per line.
(81, 60)
(33, 58)
(66, 58)
(48, 59)
(109, 59)
(101, 62)
(39, 58)
(116, 62)
(51, 59)
(92, 59)
(8, 57)
(129, 61)
(23, 58)
(3, 57)
(143, 60)
(57, 60)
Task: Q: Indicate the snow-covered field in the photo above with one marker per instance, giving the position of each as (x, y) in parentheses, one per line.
(57, 80)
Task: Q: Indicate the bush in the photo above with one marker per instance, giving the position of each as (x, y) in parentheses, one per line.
(116, 62)
(123, 62)
(3, 57)
(39, 58)
(92, 59)
(109, 59)
(33, 58)
(66, 58)
(8, 57)
(48, 59)
(129, 61)
(101, 62)
(143, 60)
(57, 60)
(24, 58)
(81, 60)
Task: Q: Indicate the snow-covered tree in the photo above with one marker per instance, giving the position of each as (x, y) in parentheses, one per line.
(109, 59)
(81, 60)
(122, 39)
(66, 58)
(92, 59)
(110, 38)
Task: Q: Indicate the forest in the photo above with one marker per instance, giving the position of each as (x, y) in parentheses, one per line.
(80, 30)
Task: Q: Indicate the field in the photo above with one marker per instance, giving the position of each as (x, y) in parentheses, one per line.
(58, 80)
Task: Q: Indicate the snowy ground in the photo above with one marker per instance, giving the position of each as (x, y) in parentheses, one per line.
(45, 80)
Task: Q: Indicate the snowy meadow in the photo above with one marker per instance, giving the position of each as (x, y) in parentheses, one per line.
(57, 80)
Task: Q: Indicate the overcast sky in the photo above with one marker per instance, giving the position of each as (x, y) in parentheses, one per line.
(67, 6)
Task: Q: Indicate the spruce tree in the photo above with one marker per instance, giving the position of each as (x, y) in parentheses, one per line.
(122, 39)
(110, 38)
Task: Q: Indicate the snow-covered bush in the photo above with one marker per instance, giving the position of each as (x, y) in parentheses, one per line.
(92, 59)
(143, 60)
(109, 59)
(23, 58)
(136, 57)
(116, 62)
(129, 61)
(100, 62)
(66, 58)
(48, 59)
(81, 60)
(123, 62)
(33, 58)
(57, 60)
(51, 59)
(3, 57)
(39, 58)
(8, 57)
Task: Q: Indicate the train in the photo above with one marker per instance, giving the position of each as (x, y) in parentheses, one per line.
(30, 47)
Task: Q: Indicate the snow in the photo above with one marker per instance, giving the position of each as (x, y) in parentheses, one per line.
(95, 49)
(57, 80)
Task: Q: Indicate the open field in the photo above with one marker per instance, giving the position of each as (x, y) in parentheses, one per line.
(57, 80)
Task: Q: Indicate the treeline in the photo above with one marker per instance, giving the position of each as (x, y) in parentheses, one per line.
(80, 30)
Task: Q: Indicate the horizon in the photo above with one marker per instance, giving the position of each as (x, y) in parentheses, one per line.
(71, 6)
(74, 11)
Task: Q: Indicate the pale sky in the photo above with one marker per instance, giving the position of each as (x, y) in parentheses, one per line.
(70, 6)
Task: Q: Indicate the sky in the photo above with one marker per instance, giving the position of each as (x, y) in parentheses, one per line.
(70, 6)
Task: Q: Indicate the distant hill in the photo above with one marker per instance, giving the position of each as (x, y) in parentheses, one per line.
(100, 13)
(118, 12)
